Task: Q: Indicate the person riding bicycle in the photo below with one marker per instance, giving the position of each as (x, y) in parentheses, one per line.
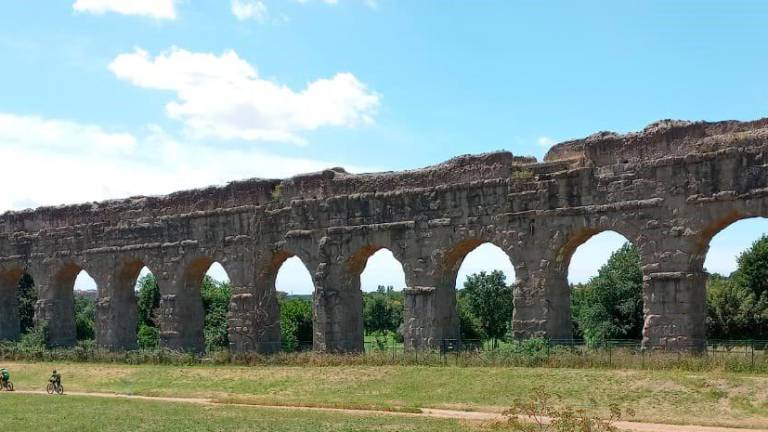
(55, 378)
(5, 377)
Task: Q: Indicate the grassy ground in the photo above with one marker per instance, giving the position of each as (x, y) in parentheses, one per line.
(84, 414)
(716, 398)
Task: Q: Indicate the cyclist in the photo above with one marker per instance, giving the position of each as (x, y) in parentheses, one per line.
(5, 377)
(55, 378)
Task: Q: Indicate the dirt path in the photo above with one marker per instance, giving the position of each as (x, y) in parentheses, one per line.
(425, 412)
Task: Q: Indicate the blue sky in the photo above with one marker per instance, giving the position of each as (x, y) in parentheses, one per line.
(110, 98)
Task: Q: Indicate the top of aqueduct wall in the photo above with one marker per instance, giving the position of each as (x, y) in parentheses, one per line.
(659, 140)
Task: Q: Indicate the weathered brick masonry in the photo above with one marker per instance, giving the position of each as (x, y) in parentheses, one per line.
(669, 189)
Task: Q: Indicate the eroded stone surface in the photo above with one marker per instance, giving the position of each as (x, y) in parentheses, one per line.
(669, 189)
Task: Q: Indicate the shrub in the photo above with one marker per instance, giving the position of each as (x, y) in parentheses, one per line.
(148, 337)
(541, 413)
(295, 323)
(36, 338)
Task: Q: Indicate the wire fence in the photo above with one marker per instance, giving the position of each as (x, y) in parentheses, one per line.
(732, 355)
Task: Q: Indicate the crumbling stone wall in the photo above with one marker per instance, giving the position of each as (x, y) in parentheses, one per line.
(668, 189)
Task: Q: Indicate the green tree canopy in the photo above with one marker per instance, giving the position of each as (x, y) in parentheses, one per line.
(26, 297)
(216, 296)
(295, 322)
(148, 300)
(382, 310)
(610, 305)
(737, 306)
(85, 317)
(490, 299)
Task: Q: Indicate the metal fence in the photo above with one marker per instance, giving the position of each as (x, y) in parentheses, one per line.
(747, 355)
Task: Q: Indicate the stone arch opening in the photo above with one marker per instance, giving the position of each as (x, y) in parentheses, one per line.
(85, 297)
(17, 303)
(141, 320)
(484, 282)
(605, 286)
(382, 281)
(734, 262)
(295, 290)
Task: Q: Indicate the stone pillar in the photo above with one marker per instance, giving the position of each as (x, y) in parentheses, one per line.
(542, 301)
(429, 313)
(116, 309)
(337, 310)
(675, 308)
(181, 313)
(253, 320)
(56, 302)
(9, 311)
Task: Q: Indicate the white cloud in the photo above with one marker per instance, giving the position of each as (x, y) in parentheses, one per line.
(61, 136)
(222, 96)
(249, 9)
(545, 141)
(52, 162)
(158, 9)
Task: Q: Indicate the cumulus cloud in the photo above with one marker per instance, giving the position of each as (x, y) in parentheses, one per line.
(222, 96)
(249, 9)
(158, 9)
(545, 141)
(50, 162)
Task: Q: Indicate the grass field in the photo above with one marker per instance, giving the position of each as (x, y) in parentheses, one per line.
(713, 398)
(84, 414)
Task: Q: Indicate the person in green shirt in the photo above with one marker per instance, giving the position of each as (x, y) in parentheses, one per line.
(55, 378)
(5, 377)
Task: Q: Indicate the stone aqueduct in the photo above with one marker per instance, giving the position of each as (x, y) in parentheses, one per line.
(669, 189)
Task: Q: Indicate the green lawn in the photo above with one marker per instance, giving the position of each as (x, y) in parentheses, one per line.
(83, 414)
(660, 396)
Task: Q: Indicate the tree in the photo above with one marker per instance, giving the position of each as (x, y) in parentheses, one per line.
(148, 300)
(752, 271)
(295, 322)
(85, 317)
(737, 306)
(469, 325)
(610, 305)
(490, 299)
(382, 310)
(26, 297)
(216, 296)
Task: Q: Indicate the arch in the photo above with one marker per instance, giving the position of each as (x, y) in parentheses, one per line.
(730, 240)
(726, 290)
(382, 269)
(591, 250)
(359, 263)
(481, 260)
(579, 238)
(84, 297)
(486, 257)
(713, 230)
(290, 275)
(591, 254)
(292, 281)
(140, 322)
(382, 281)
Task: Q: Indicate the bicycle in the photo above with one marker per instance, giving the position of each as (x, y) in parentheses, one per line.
(54, 387)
